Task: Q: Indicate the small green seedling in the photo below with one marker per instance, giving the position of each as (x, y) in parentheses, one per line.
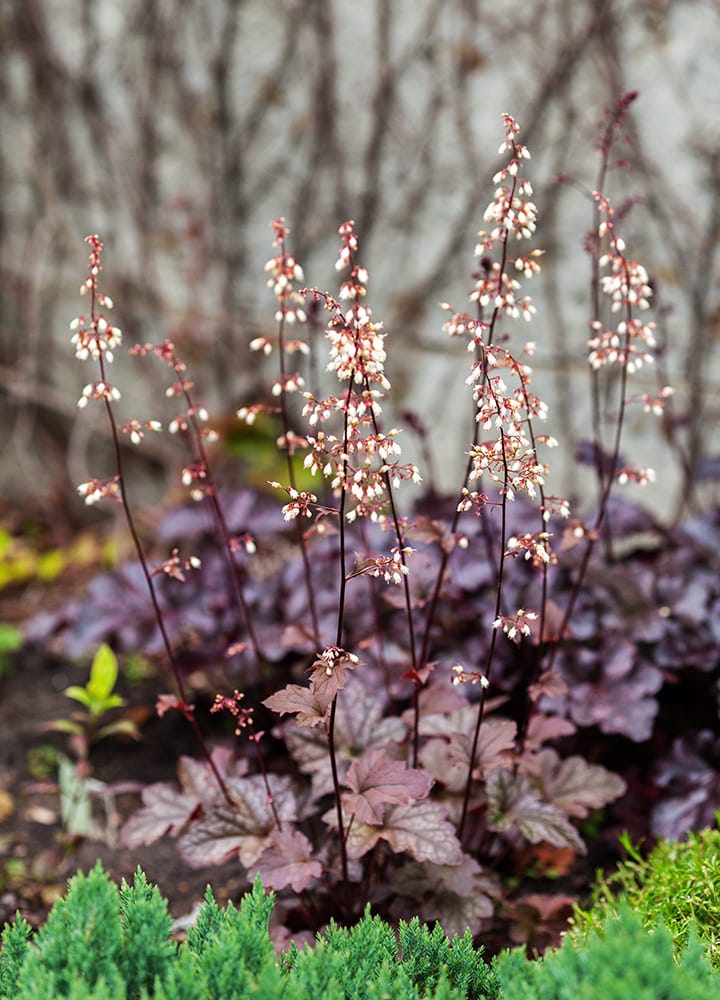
(86, 728)
(97, 698)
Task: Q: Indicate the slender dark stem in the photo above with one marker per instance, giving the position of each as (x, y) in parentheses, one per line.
(261, 764)
(536, 665)
(236, 574)
(615, 119)
(593, 535)
(406, 590)
(493, 642)
(339, 642)
(425, 650)
(289, 450)
(187, 710)
(336, 789)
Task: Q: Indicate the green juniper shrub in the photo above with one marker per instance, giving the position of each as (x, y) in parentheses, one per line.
(95, 935)
(622, 960)
(145, 927)
(101, 943)
(428, 954)
(15, 946)
(678, 883)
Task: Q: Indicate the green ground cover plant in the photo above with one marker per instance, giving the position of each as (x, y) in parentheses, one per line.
(677, 883)
(620, 959)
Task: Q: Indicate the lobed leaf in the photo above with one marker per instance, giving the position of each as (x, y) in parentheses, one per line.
(420, 829)
(286, 861)
(242, 830)
(376, 781)
(165, 811)
(574, 785)
(513, 801)
(309, 706)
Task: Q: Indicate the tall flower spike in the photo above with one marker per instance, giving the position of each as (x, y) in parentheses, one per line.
(631, 342)
(363, 461)
(93, 336)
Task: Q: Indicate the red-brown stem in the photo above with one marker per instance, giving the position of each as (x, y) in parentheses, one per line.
(493, 642)
(406, 589)
(151, 586)
(425, 650)
(592, 537)
(292, 480)
(212, 494)
(615, 119)
(261, 764)
(537, 666)
(339, 641)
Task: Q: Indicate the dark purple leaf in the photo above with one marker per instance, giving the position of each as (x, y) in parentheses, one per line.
(513, 801)
(419, 829)
(165, 811)
(376, 781)
(286, 861)
(691, 778)
(244, 828)
(307, 707)
(574, 785)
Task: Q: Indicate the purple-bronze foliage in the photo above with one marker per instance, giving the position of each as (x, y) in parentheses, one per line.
(421, 693)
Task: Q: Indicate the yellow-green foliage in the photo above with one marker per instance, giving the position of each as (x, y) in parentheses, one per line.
(21, 561)
(620, 961)
(678, 883)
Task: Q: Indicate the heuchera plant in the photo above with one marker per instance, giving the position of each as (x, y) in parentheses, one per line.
(403, 679)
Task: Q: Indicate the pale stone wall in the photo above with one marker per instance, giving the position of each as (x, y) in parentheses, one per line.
(178, 129)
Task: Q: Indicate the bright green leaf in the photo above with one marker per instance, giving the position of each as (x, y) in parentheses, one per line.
(10, 639)
(66, 726)
(121, 727)
(79, 694)
(50, 565)
(103, 674)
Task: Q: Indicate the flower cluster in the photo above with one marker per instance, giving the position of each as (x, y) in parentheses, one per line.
(233, 704)
(640, 476)
(630, 342)
(653, 403)
(98, 390)
(516, 626)
(510, 458)
(136, 430)
(300, 504)
(462, 676)
(284, 274)
(511, 213)
(284, 271)
(391, 567)
(194, 475)
(500, 380)
(553, 506)
(95, 339)
(95, 490)
(361, 461)
(330, 658)
(177, 567)
(533, 546)
(93, 336)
